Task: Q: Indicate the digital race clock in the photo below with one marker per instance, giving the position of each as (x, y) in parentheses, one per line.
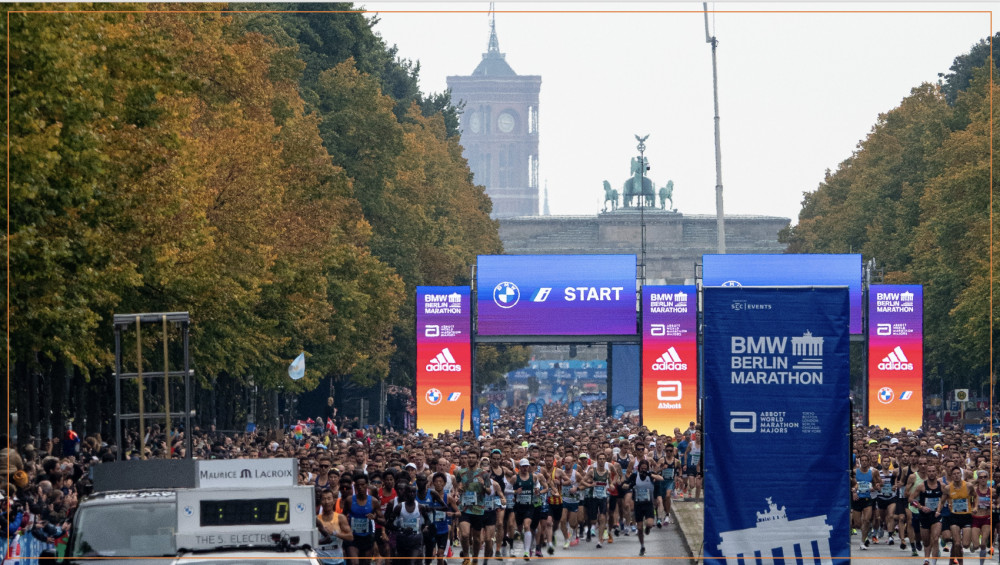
(245, 512)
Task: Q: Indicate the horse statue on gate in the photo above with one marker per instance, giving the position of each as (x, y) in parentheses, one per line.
(610, 195)
(666, 193)
(638, 185)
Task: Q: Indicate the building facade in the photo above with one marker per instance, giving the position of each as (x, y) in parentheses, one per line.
(499, 126)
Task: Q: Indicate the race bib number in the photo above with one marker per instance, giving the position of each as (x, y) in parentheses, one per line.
(468, 498)
(864, 487)
(410, 524)
(600, 492)
(668, 473)
(524, 498)
(932, 503)
(489, 503)
(984, 502)
(695, 457)
(510, 502)
(440, 516)
(359, 525)
(642, 495)
(886, 489)
(960, 505)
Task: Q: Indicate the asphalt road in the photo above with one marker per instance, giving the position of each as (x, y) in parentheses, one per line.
(660, 544)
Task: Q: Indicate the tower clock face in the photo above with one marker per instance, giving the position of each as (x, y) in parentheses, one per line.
(505, 122)
(474, 123)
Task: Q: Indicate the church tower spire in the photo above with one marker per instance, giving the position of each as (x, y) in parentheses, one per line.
(494, 46)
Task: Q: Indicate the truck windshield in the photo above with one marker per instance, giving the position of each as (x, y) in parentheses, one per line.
(144, 529)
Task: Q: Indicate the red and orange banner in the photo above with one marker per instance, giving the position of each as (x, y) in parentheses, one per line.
(444, 358)
(896, 356)
(669, 357)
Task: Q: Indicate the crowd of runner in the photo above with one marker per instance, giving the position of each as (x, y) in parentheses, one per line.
(508, 494)
(935, 492)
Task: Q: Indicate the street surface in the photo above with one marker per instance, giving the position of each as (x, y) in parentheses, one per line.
(660, 544)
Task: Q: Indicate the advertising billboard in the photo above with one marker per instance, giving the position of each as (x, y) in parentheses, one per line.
(777, 381)
(444, 357)
(896, 356)
(788, 270)
(525, 295)
(669, 357)
(624, 384)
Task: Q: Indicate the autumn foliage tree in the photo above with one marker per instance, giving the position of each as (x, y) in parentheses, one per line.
(915, 196)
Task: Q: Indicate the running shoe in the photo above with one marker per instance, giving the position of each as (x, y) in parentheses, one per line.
(551, 549)
(918, 545)
(617, 531)
(866, 544)
(659, 523)
(566, 545)
(926, 562)
(611, 539)
(902, 545)
(588, 536)
(466, 561)
(634, 530)
(874, 539)
(863, 547)
(891, 542)
(538, 552)
(598, 545)
(575, 542)
(854, 531)
(914, 553)
(647, 530)
(449, 552)
(642, 551)
(527, 556)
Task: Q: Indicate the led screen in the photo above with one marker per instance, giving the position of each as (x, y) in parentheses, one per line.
(556, 295)
(669, 357)
(444, 358)
(789, 270)
(895, 356)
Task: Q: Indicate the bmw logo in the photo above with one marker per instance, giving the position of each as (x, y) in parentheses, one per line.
(188, 511)
(731, 283)
(506, 294)
(300, 508)
(885, 395)
(433, 397)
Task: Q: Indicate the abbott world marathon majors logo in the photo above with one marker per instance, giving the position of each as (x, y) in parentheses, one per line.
(766, 360)
(443, 361)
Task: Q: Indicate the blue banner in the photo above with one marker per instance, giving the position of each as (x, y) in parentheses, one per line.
(574, 408)
(461, 424)
(475, 422)
(619, 412)
(540, 407)
(777, 382)
(530, 413)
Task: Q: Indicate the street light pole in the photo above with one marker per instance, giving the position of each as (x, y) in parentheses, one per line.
(642, 207)
(720, 217)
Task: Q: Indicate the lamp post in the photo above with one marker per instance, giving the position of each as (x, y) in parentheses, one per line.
(720, 217)
(642, 207)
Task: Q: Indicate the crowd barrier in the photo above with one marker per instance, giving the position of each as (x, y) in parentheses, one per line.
(23, 549)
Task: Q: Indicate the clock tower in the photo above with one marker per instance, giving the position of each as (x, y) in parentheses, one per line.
(499, 125)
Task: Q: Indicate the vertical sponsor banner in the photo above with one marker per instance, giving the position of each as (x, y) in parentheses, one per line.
(669, 357)
(896, 356)
(776, 383)
(444, 357)
(530, 414)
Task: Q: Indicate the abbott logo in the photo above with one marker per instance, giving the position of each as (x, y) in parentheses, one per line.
(670, 361)
(657, 330)
(443, 362)
(743, 422)
(668, 391)
(895, 361)
(432, 330)
(883, 329)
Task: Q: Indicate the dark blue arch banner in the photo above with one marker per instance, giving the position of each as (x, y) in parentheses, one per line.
(777, 383)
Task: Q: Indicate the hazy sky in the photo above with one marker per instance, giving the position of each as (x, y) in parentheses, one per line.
(797, 91)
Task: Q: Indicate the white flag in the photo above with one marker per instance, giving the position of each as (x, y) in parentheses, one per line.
(297, 369)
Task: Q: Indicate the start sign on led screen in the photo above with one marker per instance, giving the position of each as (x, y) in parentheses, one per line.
(556, 295)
